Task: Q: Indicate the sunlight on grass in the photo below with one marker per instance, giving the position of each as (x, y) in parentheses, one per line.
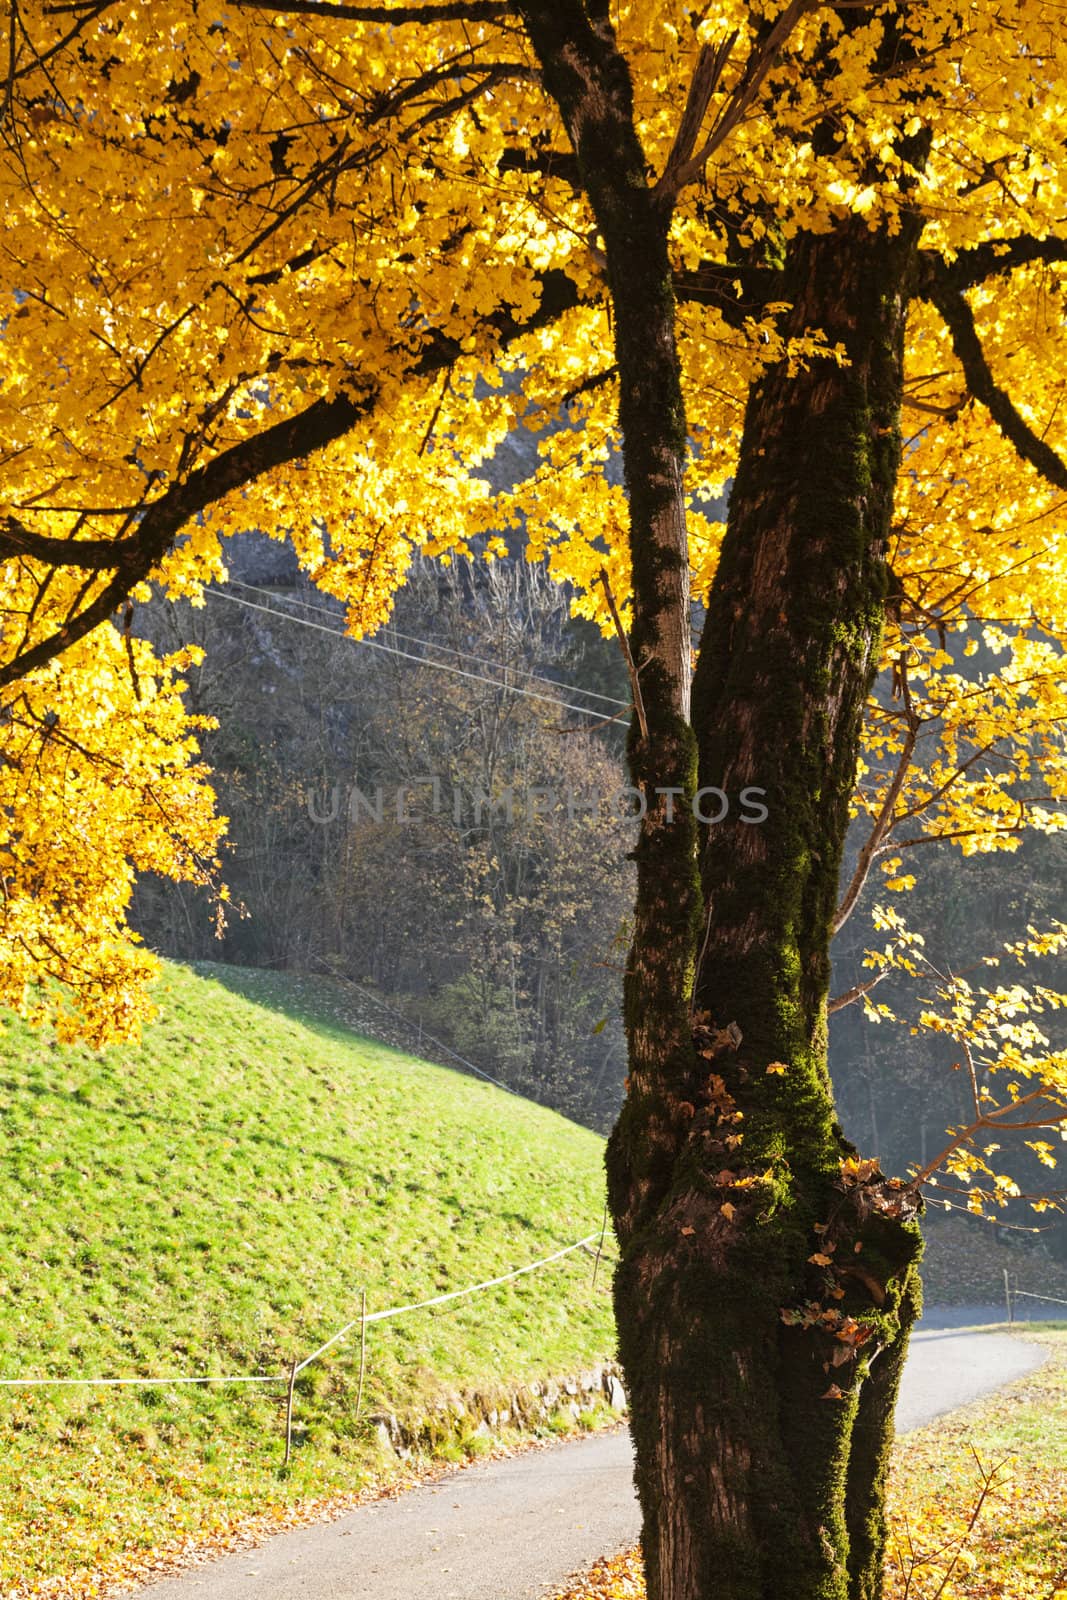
(213, 1203)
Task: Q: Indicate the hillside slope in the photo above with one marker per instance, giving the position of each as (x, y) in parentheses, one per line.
(213, 1203)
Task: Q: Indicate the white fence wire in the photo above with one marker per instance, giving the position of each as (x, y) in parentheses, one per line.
(1013, 1293)
(287, 1377)
(1024, 1294)
(364, 1320)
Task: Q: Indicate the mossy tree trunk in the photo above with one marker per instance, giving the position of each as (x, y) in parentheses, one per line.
(767, 1281)
(767, 1278)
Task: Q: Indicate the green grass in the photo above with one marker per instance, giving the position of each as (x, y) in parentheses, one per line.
(1018, 1547)
(212, 1203)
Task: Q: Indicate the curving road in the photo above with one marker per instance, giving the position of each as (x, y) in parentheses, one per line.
(507, 1530)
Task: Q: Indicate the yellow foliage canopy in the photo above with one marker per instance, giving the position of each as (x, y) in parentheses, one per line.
(304, 267)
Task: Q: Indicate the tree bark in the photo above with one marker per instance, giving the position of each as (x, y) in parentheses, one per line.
(765, 1290)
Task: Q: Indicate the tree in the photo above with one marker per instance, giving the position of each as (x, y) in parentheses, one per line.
(361, 242)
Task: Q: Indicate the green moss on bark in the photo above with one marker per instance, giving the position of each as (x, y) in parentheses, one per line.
(871, 1443)
(761, 1449)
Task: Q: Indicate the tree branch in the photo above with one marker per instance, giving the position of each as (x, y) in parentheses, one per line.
(132, 559)
(91, 555)
(849, 996)
(562, 164)
(442, 11)
(86, 13)
(882, 824)
(738, 290)
(624, 645)
(241, 464)
(711, 62)
(12, 60)
(992, 259)
(952, 303)
(761, 59)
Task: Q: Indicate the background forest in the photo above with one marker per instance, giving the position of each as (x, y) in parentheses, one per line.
(495, 922)
(496, 931)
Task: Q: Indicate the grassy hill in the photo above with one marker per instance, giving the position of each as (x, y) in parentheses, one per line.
(213, 1203)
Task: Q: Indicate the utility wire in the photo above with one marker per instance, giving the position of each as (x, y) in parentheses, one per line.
(406, 655)
(433, 644)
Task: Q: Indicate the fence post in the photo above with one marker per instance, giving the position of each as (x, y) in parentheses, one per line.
(1007, 1298)
(289, 1412)
(362, 1349)
(600, 1247)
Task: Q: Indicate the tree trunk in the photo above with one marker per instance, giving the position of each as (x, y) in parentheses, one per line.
(767, 1280)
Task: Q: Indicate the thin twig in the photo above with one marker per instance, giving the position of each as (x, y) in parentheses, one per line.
(988, 1478)
(362, 1349)
(968, 1055)
(289, 1411)
(635, 685)
(600, 1246)
(885, 820)
(12, 57)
